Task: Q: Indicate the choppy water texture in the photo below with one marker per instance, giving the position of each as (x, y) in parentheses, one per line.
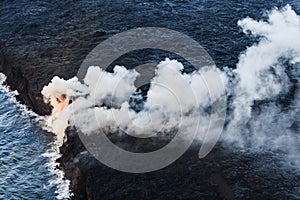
(26, 172)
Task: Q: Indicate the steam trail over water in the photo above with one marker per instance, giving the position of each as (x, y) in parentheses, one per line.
(266, 86)
(263, 89)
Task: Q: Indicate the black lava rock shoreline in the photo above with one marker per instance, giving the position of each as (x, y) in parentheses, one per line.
(42, 39)
(187, 178)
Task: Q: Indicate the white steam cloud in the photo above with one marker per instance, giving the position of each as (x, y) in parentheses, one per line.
(266, 73)
(174, 101)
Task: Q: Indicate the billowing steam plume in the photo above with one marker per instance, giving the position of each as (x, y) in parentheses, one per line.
(174, 101)
(264, 90)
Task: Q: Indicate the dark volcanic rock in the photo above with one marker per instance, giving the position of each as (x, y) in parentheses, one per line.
(17, 80)
(223, 174)
(97, 181)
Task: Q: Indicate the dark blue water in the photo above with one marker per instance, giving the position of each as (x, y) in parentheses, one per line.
(26, 163)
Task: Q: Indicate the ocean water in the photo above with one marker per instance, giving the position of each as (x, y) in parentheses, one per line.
(27, 154)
